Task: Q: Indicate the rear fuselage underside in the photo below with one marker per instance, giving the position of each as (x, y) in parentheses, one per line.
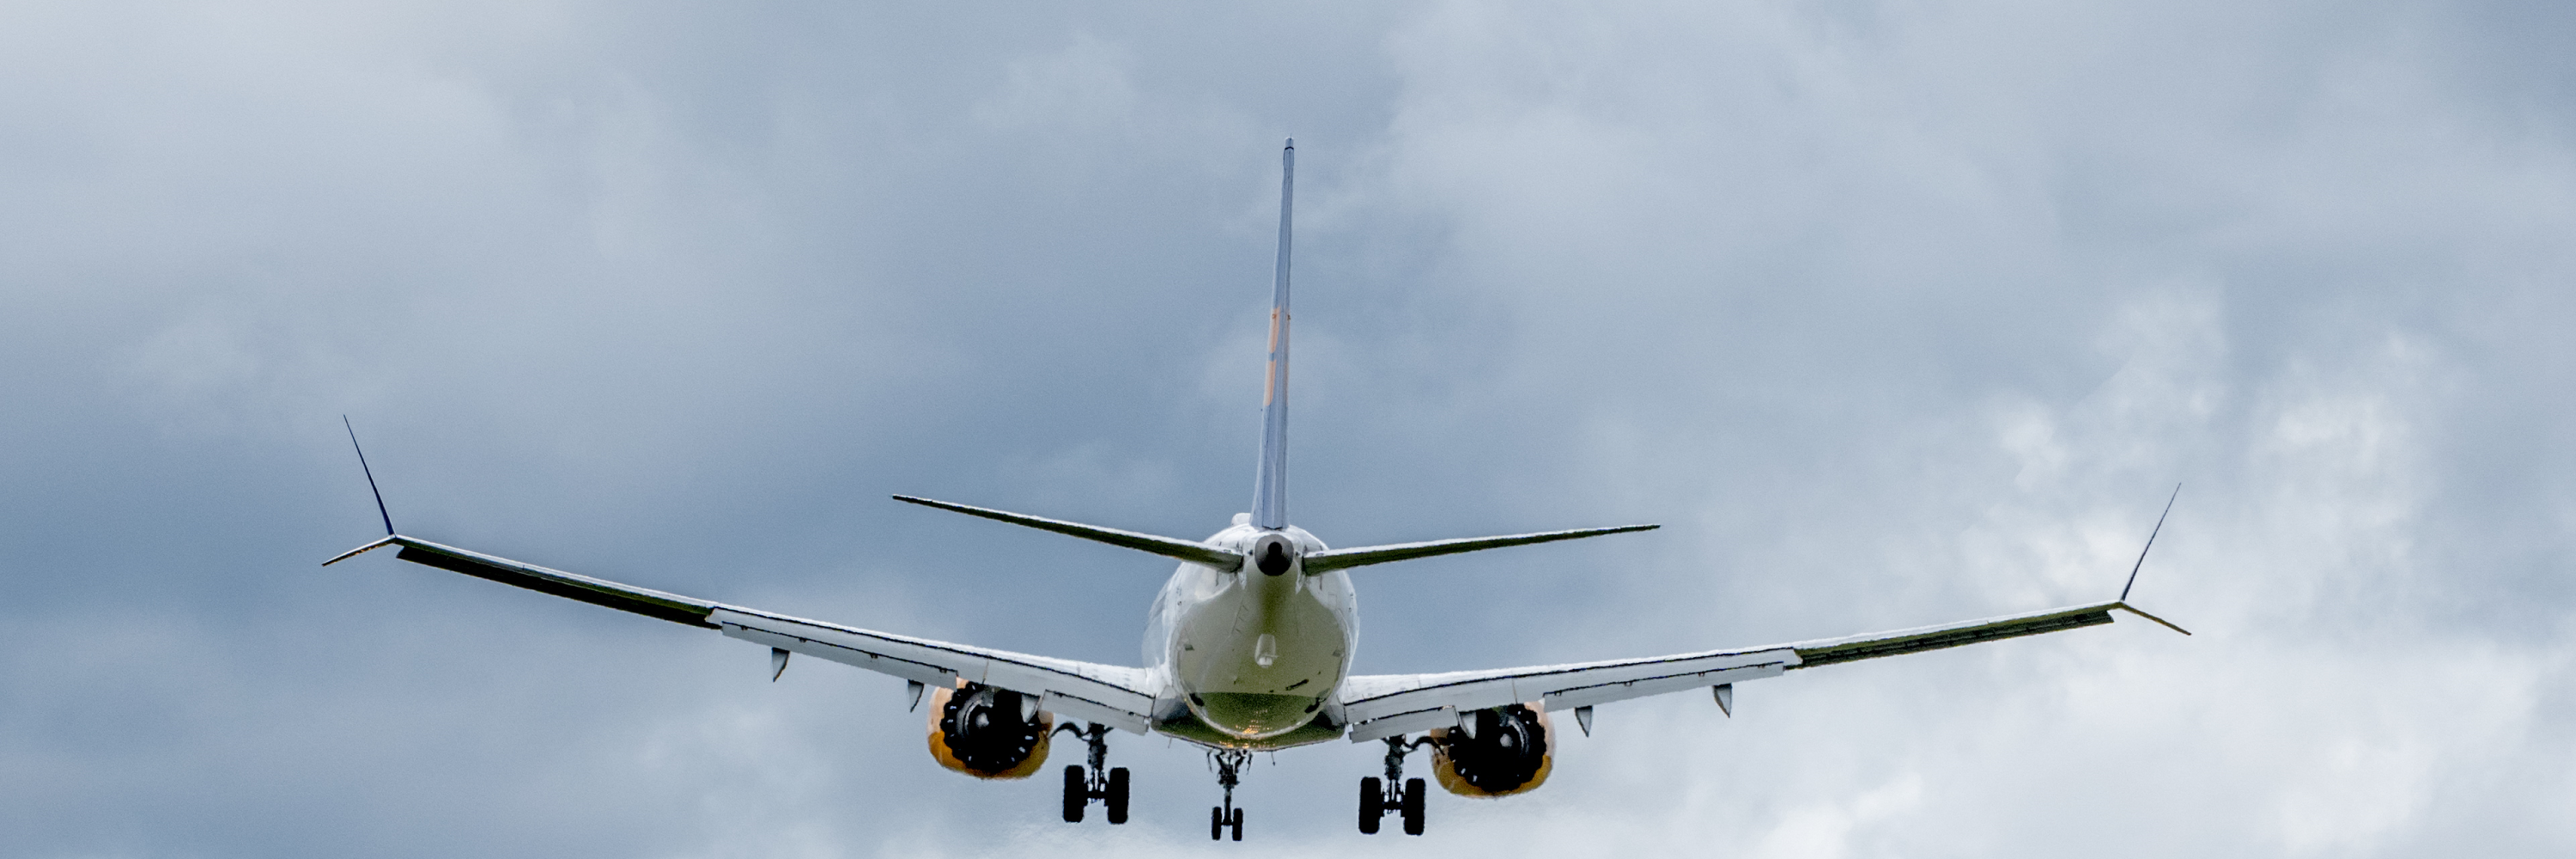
(1252, 659)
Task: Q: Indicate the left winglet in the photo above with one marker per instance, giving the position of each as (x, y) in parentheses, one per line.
(371, 479)
(388, 540)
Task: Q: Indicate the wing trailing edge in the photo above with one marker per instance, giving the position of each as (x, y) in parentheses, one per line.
(1114, 695)
(602, 592)
(1874, 645)
(1380, 706)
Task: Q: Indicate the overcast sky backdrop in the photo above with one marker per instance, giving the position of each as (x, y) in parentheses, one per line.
(1891, 312)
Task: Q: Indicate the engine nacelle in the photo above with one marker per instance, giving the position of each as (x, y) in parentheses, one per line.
(1498, 752)
(989, 733)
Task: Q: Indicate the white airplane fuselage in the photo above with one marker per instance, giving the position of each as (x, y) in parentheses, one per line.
(1253, 655)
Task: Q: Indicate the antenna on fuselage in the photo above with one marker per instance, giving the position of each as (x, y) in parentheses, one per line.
(1270, 479)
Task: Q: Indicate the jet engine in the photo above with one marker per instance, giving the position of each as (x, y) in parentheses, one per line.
(1494, 752)
(989, 733)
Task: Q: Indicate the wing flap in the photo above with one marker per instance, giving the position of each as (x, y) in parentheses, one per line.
(1603, 693)
(1109, 694)
(1388, 705)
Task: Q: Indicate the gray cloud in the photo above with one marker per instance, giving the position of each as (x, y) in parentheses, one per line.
(1893, 313)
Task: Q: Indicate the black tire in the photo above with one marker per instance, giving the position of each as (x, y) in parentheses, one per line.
(1216, 823)
(1077, 793)
(1372, 804)
(1413, 806)
(1117, 799)
(1238, 824)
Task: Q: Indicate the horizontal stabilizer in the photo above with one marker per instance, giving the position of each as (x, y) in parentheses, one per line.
(1337, 559)
(1192, 551)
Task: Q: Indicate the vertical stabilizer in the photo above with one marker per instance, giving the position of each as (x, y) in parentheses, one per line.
(1270, 481)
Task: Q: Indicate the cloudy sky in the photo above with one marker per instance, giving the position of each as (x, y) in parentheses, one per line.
(1891, 312)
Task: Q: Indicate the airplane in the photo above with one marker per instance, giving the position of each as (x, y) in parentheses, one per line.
(1248, 647)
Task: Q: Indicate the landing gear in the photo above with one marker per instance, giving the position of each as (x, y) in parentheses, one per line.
(1413, 794)
(1229, 767)
(1377, 801)
(1372, 804)
(1101, 783)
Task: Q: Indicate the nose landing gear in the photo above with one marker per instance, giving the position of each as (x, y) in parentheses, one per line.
(1102, 783)
(1381, 798)
(1229, 767)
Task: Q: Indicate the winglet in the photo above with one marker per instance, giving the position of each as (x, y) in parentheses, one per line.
(371, 482)
(387, 540)
(2134, 610)
(2123, 604)
(2151, 543)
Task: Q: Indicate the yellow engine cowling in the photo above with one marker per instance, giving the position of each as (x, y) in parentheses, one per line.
(989, 733)
(1512, 751)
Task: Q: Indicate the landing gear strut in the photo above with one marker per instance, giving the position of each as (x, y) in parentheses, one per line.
(1102, 783)
(1229, 766)
(1381, 798)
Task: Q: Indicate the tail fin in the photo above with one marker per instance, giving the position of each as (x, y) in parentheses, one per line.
(1270, 480)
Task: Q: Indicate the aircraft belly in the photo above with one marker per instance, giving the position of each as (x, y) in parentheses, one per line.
(1257, 666)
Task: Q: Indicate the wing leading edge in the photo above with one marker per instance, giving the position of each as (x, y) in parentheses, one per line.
(1387, 705)
(1113, 695)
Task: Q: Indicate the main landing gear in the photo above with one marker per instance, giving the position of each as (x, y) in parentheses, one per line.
(1229, 767)
(1102, 783)
(1381, 798)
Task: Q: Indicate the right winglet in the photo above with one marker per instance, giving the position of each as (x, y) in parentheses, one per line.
(2151, 543)
(2123, 603)
(2134, 610)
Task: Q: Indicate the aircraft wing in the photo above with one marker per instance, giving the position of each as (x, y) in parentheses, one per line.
(1113, 695)
(1387, 705)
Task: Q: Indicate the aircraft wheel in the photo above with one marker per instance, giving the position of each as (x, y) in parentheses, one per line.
(1117, 798)
(1413, 806)
(1238, 824)
(1216, 823)
(1077, 793)
(1372, 804)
